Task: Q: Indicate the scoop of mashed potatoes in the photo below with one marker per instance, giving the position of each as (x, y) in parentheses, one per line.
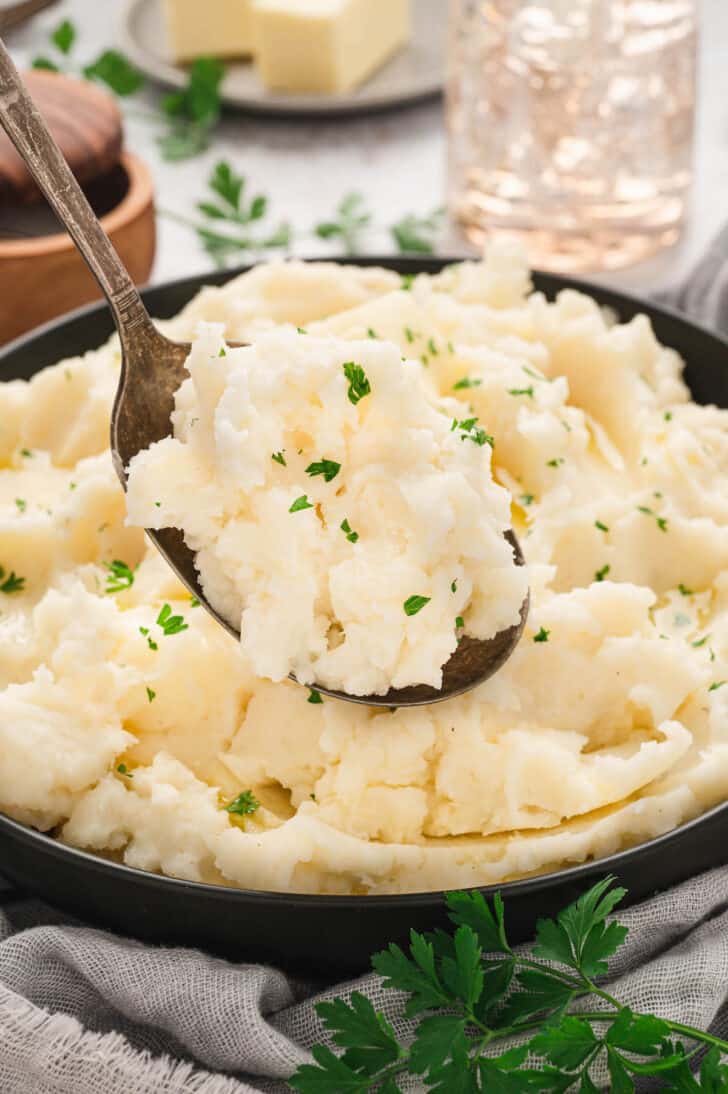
(132, 724)
(344, 518)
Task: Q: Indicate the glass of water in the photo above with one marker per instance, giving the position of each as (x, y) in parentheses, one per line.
(570, 125)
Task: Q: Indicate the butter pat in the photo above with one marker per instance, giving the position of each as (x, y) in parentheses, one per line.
(216, 28)
(325, 45)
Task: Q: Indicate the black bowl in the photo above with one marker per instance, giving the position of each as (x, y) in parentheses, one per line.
(322, 934)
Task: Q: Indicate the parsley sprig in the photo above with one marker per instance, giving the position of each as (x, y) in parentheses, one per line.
(193, 112)
(170, 624)
(12, 583)
(244, 805)
(471, 992)
(111, 67)
(418, 234)
(119, 577)
(347, 225)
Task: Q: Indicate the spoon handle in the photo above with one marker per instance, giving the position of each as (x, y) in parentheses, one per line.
(26, 129)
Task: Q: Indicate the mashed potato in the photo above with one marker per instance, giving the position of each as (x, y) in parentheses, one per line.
(344, 519)
(130, 722)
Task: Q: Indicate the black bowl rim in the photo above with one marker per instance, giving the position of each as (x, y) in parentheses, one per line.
(531, 884)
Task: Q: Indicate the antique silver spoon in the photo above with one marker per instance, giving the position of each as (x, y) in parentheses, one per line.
(152, 369)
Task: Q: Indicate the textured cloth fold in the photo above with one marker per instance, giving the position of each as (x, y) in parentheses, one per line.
(85, 1012)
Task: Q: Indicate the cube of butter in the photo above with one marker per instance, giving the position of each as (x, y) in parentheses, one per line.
(325, 45)
(213, 28)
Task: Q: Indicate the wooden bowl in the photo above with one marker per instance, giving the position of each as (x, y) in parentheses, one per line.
(43, 277)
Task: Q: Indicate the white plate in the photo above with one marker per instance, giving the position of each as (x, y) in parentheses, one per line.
(416, 72)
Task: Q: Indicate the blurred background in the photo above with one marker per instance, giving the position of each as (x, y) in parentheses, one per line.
(211, 134)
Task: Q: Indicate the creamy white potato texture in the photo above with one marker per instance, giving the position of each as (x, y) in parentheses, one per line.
(344, 518)
(130, 721)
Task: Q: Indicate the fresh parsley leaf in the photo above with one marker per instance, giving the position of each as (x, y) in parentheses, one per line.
(542, 635)
(415, 604)
(537, 990)
(12, 583)
(328, 468)
(244, 805)
(64, 36)
(368, 1038)
(279, 458)
(642, 1033)
(472, 910)
(300, 503)
(171, 624)
(463, 973)
(416, 974)
(433, 1042)
(417, 235)
(580, 936)
(194, 111)
(116, 71)
(329, 1075)
(352, 217)
(44, 64)
(568, 1044)
(346, 529)
(314, 696)
(120, 576)
(359, 385)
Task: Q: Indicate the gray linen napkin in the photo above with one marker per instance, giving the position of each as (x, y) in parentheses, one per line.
(85, 1012)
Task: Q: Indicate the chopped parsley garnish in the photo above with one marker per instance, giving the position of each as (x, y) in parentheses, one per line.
(432, 347)
(371, 333)
(425, 360)
(300, 503)
(459, 622)
(668, 415)
(72, 485)
(223, 352)
(601, 526)
(407, 281)
(26, 453)
(346, 529)
(716, 684)
(522, 391)
(124, 770)
(120, 576)
(314, 696)
(684, 590)
(328, 468)
(467, 382)
(601, 574)
(301, 330)
(171, 624)
(151, 695)
(542, 636)
(661, 521)
(359, 386)
(415, 604)
(526, 499)
(536, 375)
(150, 641)
(454, 587)
(409, 334)
(700, 641)
(21, 504)
(194, 602)
(244, 805)
(278, 457)
(556, 462)
(473, 432)
(450, 348)
(158, 504)
(12, 583)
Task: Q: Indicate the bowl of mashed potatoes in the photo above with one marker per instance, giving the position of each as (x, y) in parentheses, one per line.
(152, 776)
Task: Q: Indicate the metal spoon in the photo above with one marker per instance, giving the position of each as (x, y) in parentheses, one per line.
(152, 369)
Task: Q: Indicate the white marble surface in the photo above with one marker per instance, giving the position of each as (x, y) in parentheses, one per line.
(395, 159)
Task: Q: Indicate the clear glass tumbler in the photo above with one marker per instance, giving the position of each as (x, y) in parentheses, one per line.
(570, 125)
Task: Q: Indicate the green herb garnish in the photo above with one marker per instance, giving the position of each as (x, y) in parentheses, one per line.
(661, 521)
(116, 71)
(459, 622)
(171, 624)
(12, 583)
(417, 235)
(352, 217)
(470, 991)
(346, 529)
(415, 604)
(328, 468)
(601, 526)
(21, 504)
(244, 805)
(542, 635)
(150, 641)
(124, 770)
(314, 696)
(526, 499)
(120, 576)
(193, 113)
(716, 684)
(555, 462)
(601, 574)
(522, 391)
(684, 591)
(151, 695)
(467, 382)
(299, 504)
(359, 385)
(473, 432)
(280, 458)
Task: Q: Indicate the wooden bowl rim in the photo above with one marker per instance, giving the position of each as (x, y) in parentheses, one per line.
(137, 199)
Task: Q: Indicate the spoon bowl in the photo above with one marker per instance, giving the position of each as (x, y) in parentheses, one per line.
(153, 368)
